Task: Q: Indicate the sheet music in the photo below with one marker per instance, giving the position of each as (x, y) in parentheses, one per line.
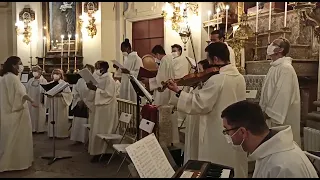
(118, 64)
(145, 92)
(251, 93)
(87, 76)
(57, 89)
(24, 78)
(186, 174)
(149, 158)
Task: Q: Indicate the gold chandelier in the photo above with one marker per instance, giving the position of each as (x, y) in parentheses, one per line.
(177, 12)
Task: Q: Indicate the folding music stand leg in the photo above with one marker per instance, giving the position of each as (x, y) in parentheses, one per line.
(54, 158)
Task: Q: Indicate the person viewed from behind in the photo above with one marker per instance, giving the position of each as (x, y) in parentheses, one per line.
(280, 95)
(219, 36)
(36, 92)
(275, 152)
(106, 111)
(16, 144)
(132, 65)
(218, 92)
(59, 108)
(80, 109)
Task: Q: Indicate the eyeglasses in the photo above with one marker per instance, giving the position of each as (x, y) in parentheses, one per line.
(225, 131)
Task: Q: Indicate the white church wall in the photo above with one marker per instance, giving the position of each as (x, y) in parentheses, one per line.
(6, 33)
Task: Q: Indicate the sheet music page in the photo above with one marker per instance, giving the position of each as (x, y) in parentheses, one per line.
(145, 92)
(87, 76)
(149, 158)
(118, 64)
(57, 89)
(24, 78)
(251, 94)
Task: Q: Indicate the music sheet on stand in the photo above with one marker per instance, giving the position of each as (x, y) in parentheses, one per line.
(149, 158)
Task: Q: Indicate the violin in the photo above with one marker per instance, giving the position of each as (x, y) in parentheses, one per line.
(194, 79)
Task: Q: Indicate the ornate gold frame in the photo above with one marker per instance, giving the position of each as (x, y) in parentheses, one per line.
(45, 17)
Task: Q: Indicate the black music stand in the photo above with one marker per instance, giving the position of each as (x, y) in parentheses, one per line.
(54, 157)
(141, 92)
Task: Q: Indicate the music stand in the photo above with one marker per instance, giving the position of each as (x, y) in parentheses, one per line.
(140, 92)
(54, 157)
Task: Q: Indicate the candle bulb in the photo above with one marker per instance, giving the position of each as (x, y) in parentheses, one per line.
(227, 8)
(218, 10)
(62, 37)
(257, 15)
(209, 13)
(75, 52)
(285, 13)
(270, 6)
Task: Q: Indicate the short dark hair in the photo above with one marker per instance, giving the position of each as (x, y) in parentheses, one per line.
(158, 49)
(220, 33)
(97, 64)
(205, 64)
(126, 44)
(90, 67)
(285, 44)
(104, 65)
(246, 114)
(177, 46)
(220, 50)
(8, 65)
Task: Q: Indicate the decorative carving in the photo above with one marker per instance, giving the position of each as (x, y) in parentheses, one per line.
(308, 15)
(26, 16)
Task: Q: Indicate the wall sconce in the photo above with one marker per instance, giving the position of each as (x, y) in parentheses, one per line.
(26, 16)
(90, 8)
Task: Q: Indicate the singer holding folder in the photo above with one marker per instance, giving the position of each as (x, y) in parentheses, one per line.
(131, 66)
(105, 110)
(60, 111)
(16, 144)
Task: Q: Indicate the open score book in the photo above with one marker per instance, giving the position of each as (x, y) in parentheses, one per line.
(149, 158)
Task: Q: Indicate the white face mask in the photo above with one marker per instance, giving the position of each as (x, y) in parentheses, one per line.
(270, 50)
(21, 68)
(56, 77)
(239, 147)
(125, 54)
(35, 74)
(175, 54)
(98, 72)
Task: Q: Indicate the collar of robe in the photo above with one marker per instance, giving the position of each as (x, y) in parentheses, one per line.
(280, 142)
(229, 70)
(281, 61)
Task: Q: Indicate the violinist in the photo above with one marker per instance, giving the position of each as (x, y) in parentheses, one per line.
(218, 92)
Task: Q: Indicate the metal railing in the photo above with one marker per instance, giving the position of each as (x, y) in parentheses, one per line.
(131, 108)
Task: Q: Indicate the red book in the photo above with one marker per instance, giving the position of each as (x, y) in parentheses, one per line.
(145, 73)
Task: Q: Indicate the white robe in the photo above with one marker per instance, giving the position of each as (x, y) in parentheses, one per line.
(191, 146)
(164, 73)
(59, 112)
(38, 114)
(78, 131)
(16, 144)
(232, 56)
(280, 96)
(218, 92)
(118, 85)
(106, 114)
(281, 157)
(133, 64)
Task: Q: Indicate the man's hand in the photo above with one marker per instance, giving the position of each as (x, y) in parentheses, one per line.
(91, 86)
(172, 86)
(145, 80)
(34, 104)
(125, 71)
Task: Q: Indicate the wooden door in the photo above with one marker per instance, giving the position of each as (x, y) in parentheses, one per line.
(146, 34)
